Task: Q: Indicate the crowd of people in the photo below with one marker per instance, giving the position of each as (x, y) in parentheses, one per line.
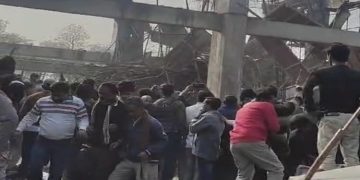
(114, 131)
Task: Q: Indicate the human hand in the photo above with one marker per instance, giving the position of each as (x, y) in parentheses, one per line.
(115, 145)
(81, 135)
(143, 156)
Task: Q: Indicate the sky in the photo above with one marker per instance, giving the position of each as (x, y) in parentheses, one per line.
(40, 25)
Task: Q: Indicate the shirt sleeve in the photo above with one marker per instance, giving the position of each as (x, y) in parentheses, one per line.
(197, 125)
(309, 92)
(82, 117)
(30, 118)
(271, 118)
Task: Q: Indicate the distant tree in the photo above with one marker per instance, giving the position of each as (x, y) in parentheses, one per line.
(11, 37)
(73, 36)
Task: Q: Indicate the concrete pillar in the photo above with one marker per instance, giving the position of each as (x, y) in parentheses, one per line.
(129, 37)
(227, 49)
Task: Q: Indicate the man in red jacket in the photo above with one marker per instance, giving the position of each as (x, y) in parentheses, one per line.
(252, 126)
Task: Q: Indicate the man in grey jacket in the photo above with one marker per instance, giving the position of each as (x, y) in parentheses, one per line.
(208, 127)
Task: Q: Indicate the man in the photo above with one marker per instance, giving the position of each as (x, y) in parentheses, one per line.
(60, 115)
(146, 141)
(8, 115)
(225, 168)
(339, 90)
(30, 133)
(107, 131)
(208, 128)
(171, 114)
(192, 112)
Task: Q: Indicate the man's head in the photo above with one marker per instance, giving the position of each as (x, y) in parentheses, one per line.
(7, 65)
(338, 53)
(247, 95)
(90, 82)
(202, 95)
(231, 101)
(47, 84)
(135, 107)
(34, 78)
(126, 87)
(84, 91)
(211, 104)
(60, 91)
(167, 90)
(108, 93)
(268, 94)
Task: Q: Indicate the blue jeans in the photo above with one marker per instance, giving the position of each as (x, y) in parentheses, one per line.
(174, 156)
(205, 168)
(59, 152)
(29, 139)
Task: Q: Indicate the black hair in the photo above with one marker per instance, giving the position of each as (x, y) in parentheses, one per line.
(34, 76)
(84, 91)
(339, 52)
(126, 86)
(231, 101)
(90, 82)
(213, 102)
(266, 93)
(7, 65)
(134, 101)
(60, 87)
(202, 95)
(167, 90)
(74, 86)
(247, 93)
(145, 91)
(111, 86)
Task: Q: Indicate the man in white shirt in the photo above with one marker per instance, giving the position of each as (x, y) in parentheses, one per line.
(60, 116)
(191, 113)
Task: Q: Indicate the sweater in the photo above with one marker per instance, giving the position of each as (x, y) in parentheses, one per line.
(57, 120)
(254, 122)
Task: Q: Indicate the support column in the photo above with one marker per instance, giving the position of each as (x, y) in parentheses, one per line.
(227, 49)
(128, 36)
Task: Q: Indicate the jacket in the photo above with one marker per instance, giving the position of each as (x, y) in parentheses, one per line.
(118, 116)
(208, 129)
(171, 114)
(146, 135)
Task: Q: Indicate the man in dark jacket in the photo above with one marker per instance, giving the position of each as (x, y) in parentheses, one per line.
(107, 131)
(171, 113)
(225, 168)
(146, 141)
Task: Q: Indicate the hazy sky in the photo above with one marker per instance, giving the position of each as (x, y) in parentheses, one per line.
(39, 25)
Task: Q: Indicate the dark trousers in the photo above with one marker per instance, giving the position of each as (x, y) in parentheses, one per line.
(205, 169)
(174, 157)
(95, 163)
(28, 142)
(59, 152)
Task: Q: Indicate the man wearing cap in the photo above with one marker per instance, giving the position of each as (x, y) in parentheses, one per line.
(339, 89)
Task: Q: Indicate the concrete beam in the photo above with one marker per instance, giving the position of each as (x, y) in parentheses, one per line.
(195, 19)
(289, 31)
(55, 53)
(135, 11)
(54, 66)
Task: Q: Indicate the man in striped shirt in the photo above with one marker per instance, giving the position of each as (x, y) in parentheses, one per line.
(60, 116)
